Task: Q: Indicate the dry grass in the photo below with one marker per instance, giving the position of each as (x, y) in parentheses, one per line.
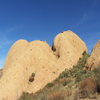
(88, 87)
(56, 95)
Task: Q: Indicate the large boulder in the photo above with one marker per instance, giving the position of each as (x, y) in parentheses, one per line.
(94, 60)
(29, 58)
(68, 47)
(38, 59)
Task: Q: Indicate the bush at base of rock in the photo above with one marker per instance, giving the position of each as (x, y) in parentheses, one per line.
(87, 87)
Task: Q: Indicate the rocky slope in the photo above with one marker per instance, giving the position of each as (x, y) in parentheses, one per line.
(25, 58)
(94, 60)
(72, 84)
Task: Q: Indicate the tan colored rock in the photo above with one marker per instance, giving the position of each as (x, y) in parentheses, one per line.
(69, 48)
(94, 60)
(66, 50)
(15, 51)
(15, 78)
(25, 58)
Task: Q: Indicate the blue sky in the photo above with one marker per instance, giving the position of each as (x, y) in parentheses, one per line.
(44, 19)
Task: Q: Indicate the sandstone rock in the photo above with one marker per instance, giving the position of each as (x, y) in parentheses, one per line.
(67, 54)
(37, 57)
(15, 79)
(94, 60)
(69, 48)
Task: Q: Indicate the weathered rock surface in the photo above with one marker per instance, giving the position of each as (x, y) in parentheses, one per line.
(37, 57)
(94, 60)
(68, 47)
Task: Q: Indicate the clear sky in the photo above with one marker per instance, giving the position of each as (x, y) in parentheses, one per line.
(43, 19)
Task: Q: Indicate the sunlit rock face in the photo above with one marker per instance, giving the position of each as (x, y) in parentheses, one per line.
(25, 58)
(94, 60)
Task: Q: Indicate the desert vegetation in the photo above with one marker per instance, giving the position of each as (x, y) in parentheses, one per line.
(31, 79)
(74, 84)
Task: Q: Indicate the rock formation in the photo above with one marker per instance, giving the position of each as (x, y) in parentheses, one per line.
(68, 48)
(37, 57)
(94, 60)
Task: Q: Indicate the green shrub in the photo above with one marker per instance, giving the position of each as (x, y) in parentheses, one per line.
(67, 79)
(31, 79)
(26, 96)
(97, 76)
(65, 74)
(49, 85)
(33, 74)
(77, 72)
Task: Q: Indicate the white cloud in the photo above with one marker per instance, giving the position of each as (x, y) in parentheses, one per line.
(83, 19)
(86, 17)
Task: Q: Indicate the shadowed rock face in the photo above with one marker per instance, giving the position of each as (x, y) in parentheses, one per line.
(37, 57)
(94, 60)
